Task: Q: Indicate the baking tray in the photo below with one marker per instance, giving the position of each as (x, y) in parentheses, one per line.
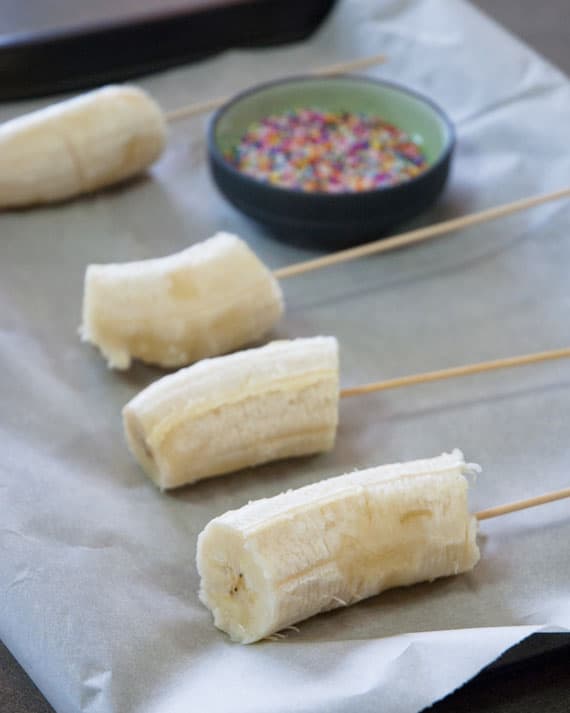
(49, 46)
(538, 667)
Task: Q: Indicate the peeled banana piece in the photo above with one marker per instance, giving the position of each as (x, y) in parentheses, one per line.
(277, 561)
(209, 299)
(79, 145)
(236, 411)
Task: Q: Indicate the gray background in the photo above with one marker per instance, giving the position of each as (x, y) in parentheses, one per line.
(546, 27)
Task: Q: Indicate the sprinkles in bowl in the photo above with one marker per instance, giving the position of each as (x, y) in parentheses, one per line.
(327, 152)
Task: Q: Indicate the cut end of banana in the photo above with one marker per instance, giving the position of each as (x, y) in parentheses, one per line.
(277, 561)
(228, 413)
(243, 607)
(210, 299)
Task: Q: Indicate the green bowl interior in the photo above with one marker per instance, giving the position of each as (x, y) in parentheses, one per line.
(410, 113)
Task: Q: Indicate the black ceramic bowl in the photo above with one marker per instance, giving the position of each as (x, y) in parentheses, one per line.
(327, 220)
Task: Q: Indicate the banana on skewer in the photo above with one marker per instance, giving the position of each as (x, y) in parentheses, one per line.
(211, 298)
(95, 140)
(120, 340)
(277, 561)
(79, 145)
(263, 404)
(259, 405)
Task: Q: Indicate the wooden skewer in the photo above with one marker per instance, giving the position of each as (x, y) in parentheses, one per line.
(185, 112)
(523, 504)
(420, 234)
(465, 371)
(452, 372)
(354, 65)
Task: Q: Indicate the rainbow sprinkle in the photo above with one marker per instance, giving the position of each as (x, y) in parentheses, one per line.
(327, 152)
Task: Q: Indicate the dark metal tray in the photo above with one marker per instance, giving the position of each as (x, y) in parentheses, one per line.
(532, 676)
(49, 46)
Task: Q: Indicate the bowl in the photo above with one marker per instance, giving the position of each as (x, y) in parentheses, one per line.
(332, 220)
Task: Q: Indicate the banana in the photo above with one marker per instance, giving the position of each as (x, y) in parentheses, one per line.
(236, 411)
(277, 561)
(211, 298)
(79, 145)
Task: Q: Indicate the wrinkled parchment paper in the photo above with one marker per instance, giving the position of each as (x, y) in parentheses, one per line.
(97, 578)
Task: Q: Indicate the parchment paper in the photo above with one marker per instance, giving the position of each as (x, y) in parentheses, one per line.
(97, 578)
